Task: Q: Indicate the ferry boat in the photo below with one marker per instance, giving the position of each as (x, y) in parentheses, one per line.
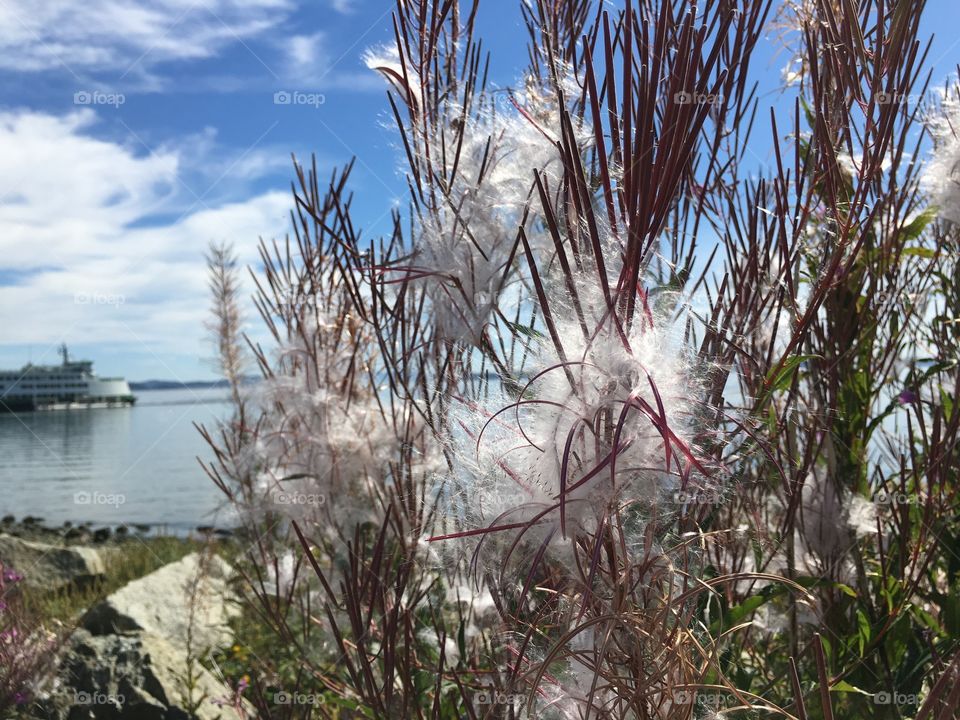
(67, 386)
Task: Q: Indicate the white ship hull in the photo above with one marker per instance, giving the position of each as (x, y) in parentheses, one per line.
(70, 386)
(80, 405)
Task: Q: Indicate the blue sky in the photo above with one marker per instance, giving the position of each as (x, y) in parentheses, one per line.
(133, 132)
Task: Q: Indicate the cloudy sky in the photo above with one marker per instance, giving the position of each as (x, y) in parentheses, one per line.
(134, 132)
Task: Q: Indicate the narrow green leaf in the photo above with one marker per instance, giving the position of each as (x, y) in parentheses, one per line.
(863, 631)
(916, 226)
(739, 612)
(844, 687)
(784, 377)
(525, 330)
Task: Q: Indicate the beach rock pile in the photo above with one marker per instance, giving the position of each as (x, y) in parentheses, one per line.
(139, 652)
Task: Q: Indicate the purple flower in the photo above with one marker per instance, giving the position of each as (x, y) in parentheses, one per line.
(10, 575)
(907, 397)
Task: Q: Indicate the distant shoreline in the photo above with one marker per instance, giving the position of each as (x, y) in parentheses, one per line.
(189, 385)
(176, 385)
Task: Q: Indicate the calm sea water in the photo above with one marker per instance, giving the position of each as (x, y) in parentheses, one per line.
(114, 466)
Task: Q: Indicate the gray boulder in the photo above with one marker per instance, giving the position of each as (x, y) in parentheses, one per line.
(188, 602)
(138, 653)
(51, 567)
(135, 677)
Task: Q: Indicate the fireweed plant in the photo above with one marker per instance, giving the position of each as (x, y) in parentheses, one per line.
(619, 422)
(26, 648)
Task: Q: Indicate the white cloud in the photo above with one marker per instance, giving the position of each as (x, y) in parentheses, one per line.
(61, 188)
(222, 168)
(127, 35)
(306, 56)
(342, 6)
(79, 255)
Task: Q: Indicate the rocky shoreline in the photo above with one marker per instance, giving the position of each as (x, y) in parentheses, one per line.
(89, 533)
(139, 651)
